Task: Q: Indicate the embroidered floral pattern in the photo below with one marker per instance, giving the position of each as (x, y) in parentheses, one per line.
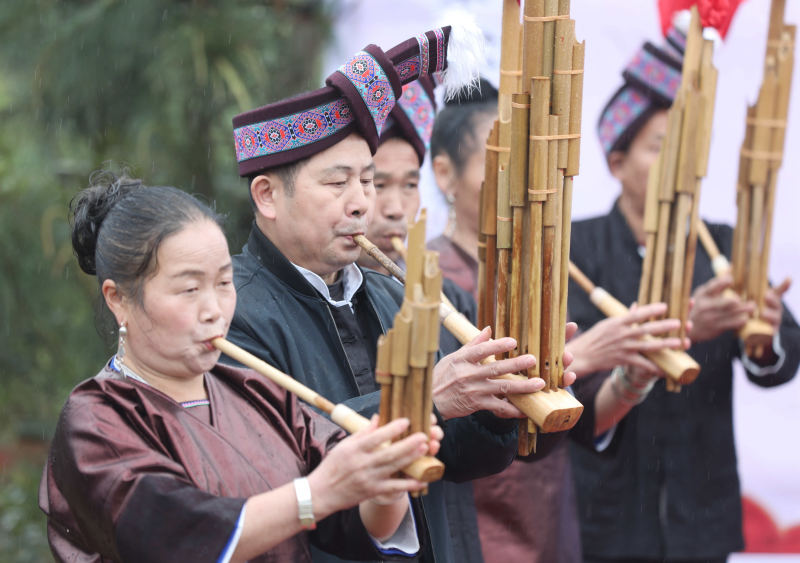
(654, 72)
(419, 109)
(372, 84)
(622, 112)
(293, 131)
(408, 70)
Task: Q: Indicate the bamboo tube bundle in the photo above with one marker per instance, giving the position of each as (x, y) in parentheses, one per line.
(549, 412)
(426, 468)
(531, 183)
(487, 237)
(676, 364)
(407, 352)
(760, 159)
(673, 191)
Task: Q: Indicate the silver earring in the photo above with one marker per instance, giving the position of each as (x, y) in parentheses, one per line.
(123, 332)
(451, 198)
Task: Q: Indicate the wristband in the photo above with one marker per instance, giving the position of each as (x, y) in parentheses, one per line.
(305, 511)
(625, 390)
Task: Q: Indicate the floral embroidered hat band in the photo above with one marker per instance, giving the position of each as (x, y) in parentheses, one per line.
(652, 79)
(358, 97)
(413, 116)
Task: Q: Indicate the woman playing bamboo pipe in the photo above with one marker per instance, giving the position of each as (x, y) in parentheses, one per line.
(458, 159)
(164, 438)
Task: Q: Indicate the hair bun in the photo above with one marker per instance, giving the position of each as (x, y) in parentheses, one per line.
(90, 207)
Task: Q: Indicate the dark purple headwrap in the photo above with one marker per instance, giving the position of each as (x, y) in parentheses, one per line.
(358, 97)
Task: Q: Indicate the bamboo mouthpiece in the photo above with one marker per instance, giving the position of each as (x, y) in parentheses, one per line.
(426, 468)
(552, 411)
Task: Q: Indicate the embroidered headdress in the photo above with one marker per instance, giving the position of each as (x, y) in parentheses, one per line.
(413, 116)
(652, 79)
(653, 76)
(358, 97)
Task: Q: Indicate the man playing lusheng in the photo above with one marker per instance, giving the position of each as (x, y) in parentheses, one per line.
(305, 307)
(404, 141)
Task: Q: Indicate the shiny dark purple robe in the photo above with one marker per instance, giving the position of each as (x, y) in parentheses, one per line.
(133, 476)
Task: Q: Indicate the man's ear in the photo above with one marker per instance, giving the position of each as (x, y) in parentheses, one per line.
(264, 189)
(616, 164)
(444, 173)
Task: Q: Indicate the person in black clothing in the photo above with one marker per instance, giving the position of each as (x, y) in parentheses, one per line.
(662, 484)
(403, 145)
(305, 307)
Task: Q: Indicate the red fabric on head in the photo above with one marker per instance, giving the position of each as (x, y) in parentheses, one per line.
(713, 13)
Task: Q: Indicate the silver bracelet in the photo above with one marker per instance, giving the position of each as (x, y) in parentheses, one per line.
(305, 510)
(625, 390)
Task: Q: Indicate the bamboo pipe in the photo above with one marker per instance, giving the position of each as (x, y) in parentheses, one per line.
(679, 366)
(576, 109)
(399, 247)
(538, 180)
(504, 239)
(432, 282)
(518, 172)
(398, 363)
(426, 468)
(549, 212)
(418, 360)
(532, 40)
(486, 310)
(566, 239)
(383, 376)
(739, 252)
(756, 334)
(552, 411)
(650, 225)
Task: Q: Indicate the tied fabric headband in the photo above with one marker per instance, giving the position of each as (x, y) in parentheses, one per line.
(358, 97)
(652, 78)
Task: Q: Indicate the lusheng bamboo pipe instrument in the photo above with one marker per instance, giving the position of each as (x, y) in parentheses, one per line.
(498, 149)
(676, 364)
(426, 468)
(531, 184)
(673, 190)
(407, 352)
(756, 334)
(550, 412)
(399, 247)
(759, 161)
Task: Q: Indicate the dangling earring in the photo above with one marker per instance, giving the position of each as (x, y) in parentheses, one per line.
(451, 214)
(123, 332)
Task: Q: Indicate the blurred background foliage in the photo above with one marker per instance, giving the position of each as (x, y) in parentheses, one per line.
(147, 84)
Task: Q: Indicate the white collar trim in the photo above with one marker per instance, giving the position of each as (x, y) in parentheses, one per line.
(352, 278)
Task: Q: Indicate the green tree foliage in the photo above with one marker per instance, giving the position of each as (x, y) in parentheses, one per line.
(150, 84)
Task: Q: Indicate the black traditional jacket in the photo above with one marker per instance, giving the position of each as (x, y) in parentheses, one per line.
(282, 319)
(667, 486)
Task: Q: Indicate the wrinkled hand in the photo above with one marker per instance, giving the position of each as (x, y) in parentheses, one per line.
(617, 341)
(715, 311)
(772, 311)
(462, 385)
(361, 466)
